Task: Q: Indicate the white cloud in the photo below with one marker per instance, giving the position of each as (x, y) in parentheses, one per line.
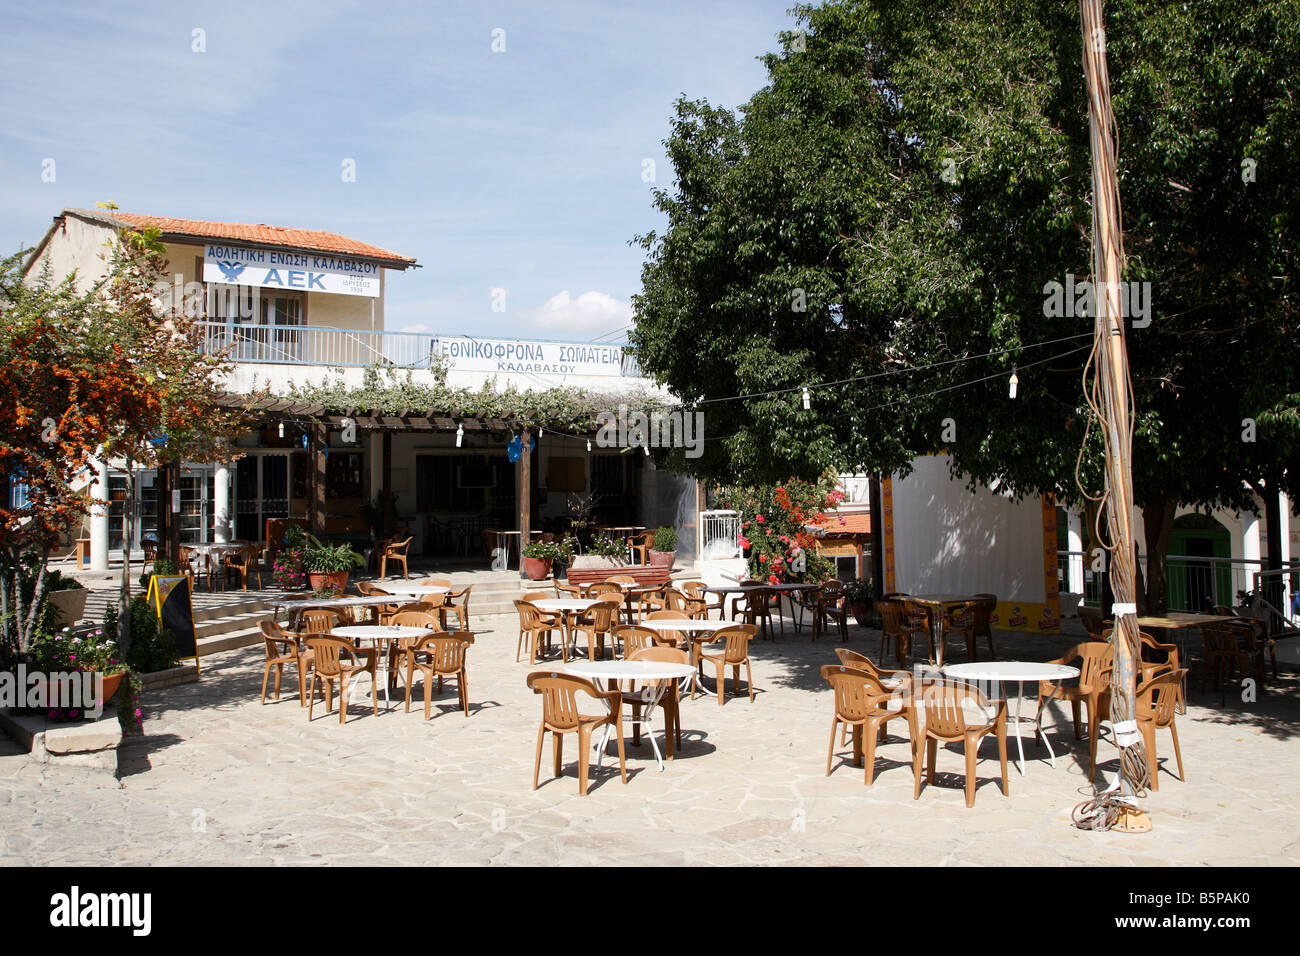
(590, 314)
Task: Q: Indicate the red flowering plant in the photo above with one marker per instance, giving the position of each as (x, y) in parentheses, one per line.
(779, 527)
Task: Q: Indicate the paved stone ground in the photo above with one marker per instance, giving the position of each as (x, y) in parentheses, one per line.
(218, 778)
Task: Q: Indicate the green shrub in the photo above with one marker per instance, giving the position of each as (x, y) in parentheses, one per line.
(665, 539)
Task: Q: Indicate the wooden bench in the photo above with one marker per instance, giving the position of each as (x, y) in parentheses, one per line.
(647, 575)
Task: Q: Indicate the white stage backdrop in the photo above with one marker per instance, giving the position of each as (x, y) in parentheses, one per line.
(950, 541)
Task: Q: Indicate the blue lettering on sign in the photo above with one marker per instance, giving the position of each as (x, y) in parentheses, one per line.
(295, 279)
(273, 277)
(316, 280)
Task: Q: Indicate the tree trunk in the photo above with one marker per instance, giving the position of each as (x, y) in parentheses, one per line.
(1158, 521)
(1272, 585)
(124, 600)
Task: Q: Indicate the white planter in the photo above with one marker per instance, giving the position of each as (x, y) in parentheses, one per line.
(595, 562)
(71, 604)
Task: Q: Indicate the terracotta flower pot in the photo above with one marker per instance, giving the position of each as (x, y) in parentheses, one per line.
(338, 579)
(111, 684)
(536, 568)
(665, 558)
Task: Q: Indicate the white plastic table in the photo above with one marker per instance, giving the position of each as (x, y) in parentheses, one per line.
(1018, 671)
(380, 633)
(694, 631)
(567, 608)
(412, 590)
(295, 608)
(633, 671)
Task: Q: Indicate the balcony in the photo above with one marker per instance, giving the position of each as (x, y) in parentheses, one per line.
(314, 345)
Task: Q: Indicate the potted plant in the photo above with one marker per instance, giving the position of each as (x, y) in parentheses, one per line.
(328, 563)
(538, 556)
(860, 595)
(287, 565)
(603, 552)
(67, 652)
(664, 549)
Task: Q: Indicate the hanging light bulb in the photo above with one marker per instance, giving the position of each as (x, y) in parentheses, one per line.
(539, 432)
(1015, 380)
(807, 399)
(460, 434)
(647, 450)
(588, 444)
(281, 429)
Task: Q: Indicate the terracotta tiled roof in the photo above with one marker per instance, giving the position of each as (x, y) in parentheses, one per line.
(849, 523)
(306, 240)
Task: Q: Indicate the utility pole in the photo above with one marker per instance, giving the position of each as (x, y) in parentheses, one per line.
(1111, 398)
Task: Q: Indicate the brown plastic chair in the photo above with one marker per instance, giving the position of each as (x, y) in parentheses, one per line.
(554, 618)
(450, 605)
(319, 621)
(861, 662)
(946, 704)
(633, 638)
(970, 621)
(1092, 690)
(758, 610)
(1229, 645)
(242, 562)
(866, 705)
(437, 656)
(396, 552)
(697, 600)
(534, 626)
(596, 623)
(1094, 626)
(640, 545)
(1156, 710)
(328, 667)
(282, 648)
(896, 628)
(561, 715)
(668, 703)
(735, 651)
(831, 606)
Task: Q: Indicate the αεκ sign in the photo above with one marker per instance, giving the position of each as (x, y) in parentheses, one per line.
(285, 269)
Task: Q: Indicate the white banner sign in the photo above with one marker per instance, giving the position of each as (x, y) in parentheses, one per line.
(466, 354)
(283, 269)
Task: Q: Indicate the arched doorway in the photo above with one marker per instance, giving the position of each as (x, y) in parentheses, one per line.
(1199, 571)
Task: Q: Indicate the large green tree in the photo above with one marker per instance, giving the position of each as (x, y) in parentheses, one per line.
(914, 177)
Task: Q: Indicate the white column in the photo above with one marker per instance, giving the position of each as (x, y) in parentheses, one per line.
(99, 516)
(1074, 542)
(1284, 505)
(221, 504)
(1250, 554)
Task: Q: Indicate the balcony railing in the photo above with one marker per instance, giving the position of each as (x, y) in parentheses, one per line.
(313, 345)
(1193, 583)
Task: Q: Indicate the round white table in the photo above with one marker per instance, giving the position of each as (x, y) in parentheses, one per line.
(295, 608)
(1018, 671)
(380, 633)
(567, 608)
(412, 590)
(659, 671)
(695, 631)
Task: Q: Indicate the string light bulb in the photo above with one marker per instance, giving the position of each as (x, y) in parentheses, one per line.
(588, 444)
(460, 434)
(1015, 380)
(647, 450)
(807, 399)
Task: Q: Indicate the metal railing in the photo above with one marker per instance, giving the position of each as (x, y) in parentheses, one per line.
(720, 535)
(1192, 583)
(314, 345)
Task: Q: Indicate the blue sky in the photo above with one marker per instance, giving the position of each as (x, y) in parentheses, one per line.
(519, 170)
